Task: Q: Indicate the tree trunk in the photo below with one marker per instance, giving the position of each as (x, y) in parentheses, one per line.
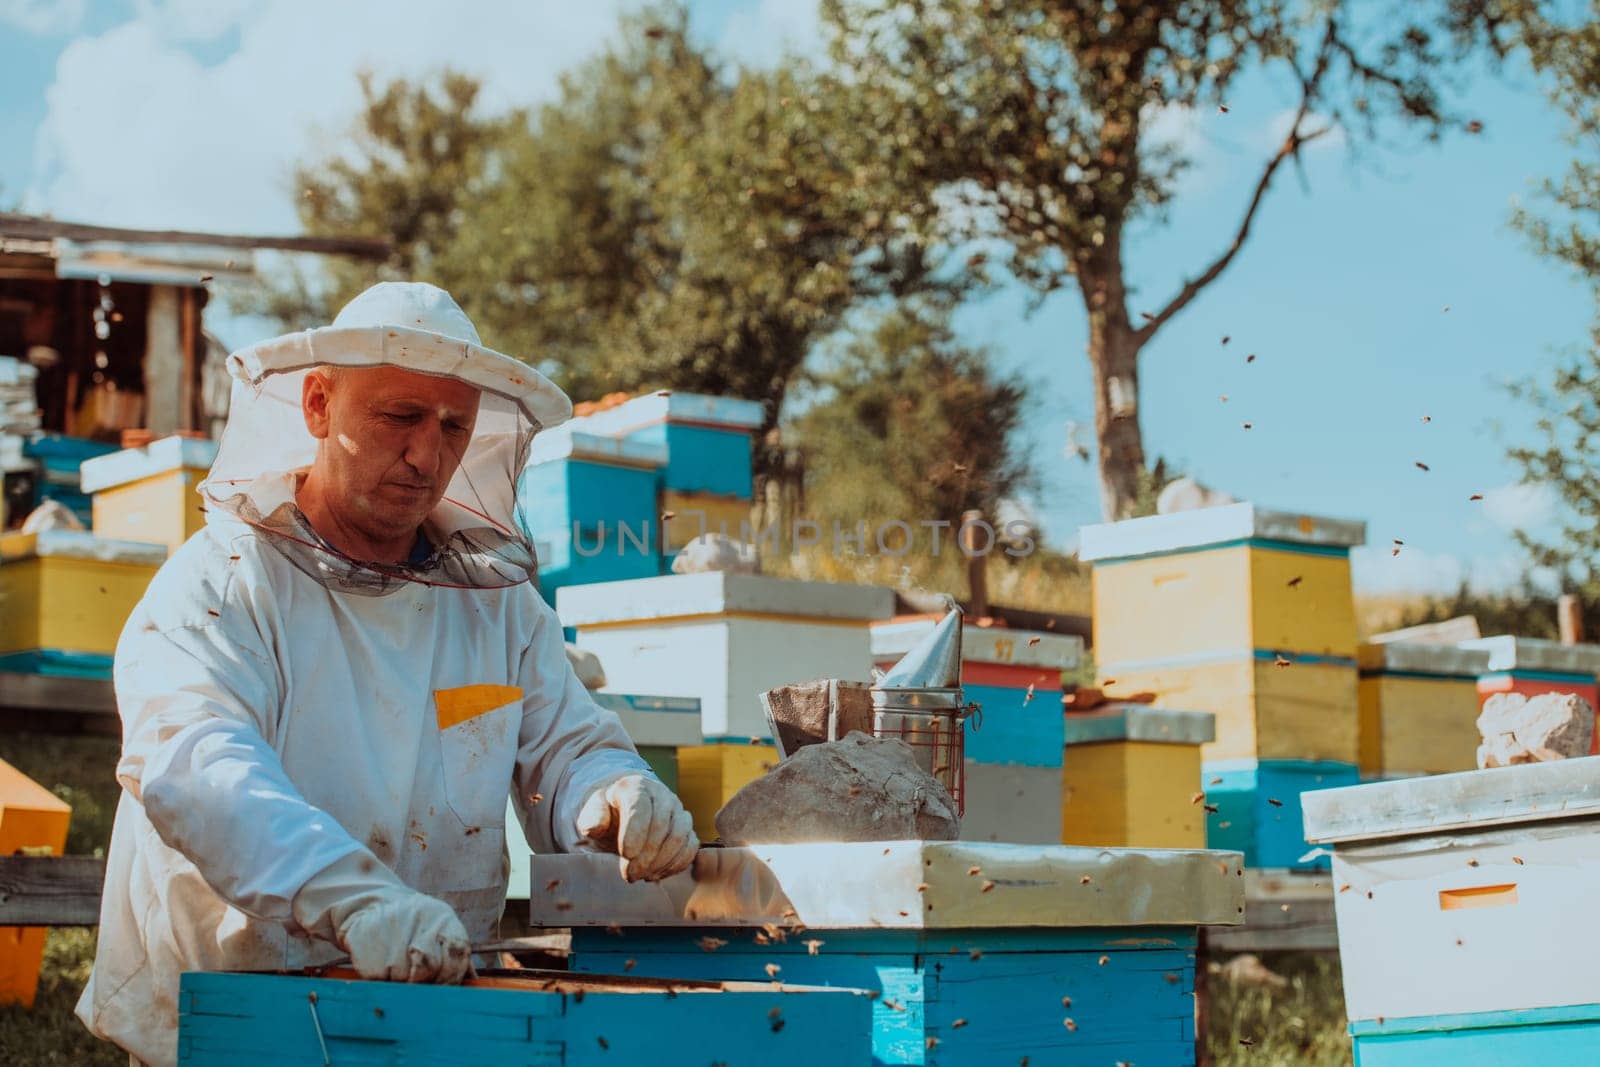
(1114, 356)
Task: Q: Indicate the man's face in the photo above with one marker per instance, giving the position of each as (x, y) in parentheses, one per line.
(390, 441)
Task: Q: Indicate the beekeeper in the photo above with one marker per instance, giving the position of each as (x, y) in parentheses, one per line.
(327, 694)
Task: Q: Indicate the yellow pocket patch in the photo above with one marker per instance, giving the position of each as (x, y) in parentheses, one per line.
(456, 706)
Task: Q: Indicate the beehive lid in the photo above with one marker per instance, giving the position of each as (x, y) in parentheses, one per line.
(78, 544)
(1213, 526)
(1445, 660)
(905, 885)
(676, 595)
(1508, 653)
(133, 464)
(565, 443)
(1530, 792)
(1140, 722)
(21, 793)
(720, 412)
(983, 644)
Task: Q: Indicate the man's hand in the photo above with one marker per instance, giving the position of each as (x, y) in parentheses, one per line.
(642, 821)
(392, 932)
(407, 937)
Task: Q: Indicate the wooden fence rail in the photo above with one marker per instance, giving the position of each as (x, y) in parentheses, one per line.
(51, 890)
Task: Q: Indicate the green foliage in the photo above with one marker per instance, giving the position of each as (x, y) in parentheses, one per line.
(1046, 108)
(910, 425)
(1030, 124)
(1523, 613)
(1564, 453)
(1565, 457)
(664, 223)
(1569, 55)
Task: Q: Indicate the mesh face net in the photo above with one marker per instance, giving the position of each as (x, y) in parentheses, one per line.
(474, 538)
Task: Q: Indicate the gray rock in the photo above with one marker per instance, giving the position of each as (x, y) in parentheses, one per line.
(859, 788)
(716, 552)
(51, 515)
(1518, 729)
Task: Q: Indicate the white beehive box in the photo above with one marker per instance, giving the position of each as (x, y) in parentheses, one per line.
(724, 638)
(1466, 893)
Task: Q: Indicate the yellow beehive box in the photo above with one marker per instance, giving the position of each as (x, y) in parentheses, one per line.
(1129, 777)
(33, 819)
(1267, 706)
(709, 775)
(1419, 708)
(70, 591)
(1221, 580)
(693, 514)
(150, 494)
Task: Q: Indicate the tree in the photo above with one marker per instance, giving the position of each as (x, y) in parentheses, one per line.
(664, 223)
(910, 425)
(1523, 612)
(413, 164)
(1565, 455)
(1034, 117)
(906, 424)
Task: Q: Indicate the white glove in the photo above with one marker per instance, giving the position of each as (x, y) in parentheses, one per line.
(392, 932)
(642, 821)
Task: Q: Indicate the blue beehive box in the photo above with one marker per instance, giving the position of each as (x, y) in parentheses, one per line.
(977, 953)
(58, 663)
(706, 438)
(589, 502)
(1258, 811)
(540, 1017)
(59, 458)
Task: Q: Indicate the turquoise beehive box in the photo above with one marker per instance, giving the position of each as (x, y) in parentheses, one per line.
(589, 504)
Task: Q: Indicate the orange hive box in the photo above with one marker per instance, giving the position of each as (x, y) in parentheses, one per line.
(31, 817)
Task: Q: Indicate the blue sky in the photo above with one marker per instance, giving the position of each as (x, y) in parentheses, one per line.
(191, 112)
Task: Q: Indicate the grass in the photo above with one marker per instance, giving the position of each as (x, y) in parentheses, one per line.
(79, 770)
(50, 1033)
(1302, 1025)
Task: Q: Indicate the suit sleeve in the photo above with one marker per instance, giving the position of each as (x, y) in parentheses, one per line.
(569, 745)
(199, 702)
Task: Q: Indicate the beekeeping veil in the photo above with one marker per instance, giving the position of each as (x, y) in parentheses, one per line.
(474, 536)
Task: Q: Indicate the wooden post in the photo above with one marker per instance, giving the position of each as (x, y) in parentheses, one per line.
(189, 393)
(165, 368)
(1569, 618)
(977, 564)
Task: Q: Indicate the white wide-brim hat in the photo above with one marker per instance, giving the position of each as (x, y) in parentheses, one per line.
(413, 326)
(476, 532)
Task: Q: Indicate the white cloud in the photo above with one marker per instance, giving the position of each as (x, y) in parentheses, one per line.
(139, 133)
(195, 20)
(761, 36)
(44, 18)
(1520, 506)
(1376, 571)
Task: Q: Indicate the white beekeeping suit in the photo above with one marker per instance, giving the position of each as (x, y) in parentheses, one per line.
(295, 719)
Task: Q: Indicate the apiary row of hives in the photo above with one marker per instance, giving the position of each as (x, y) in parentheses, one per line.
(1249, 614)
